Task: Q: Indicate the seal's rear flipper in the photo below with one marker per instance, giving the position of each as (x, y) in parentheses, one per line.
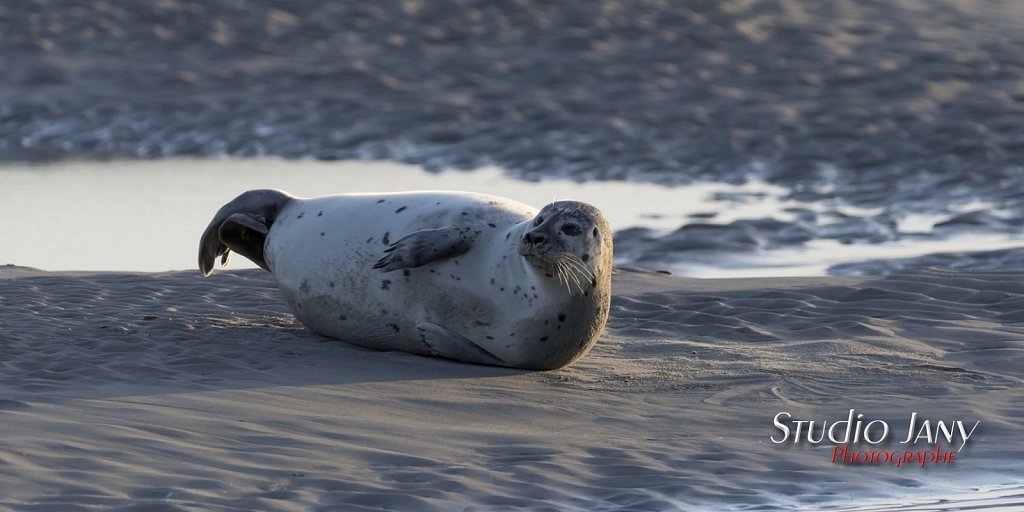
(244, 234)
(425, 246)
(452, 345)
(241, 226)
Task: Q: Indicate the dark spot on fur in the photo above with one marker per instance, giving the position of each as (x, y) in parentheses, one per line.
(502, 288)
(321, 214)
(368, 240)
(464, 213)
(406, 273)
(342, 317)
(491, 224)
(331, 284)
(544, 338)
(492, 280)
(548, 275)
(545, 322)
(489, 337)
(321, 233)
(387, 238)
(586, 294)
(379, 201)
(439, 202)
(585, 257)
(400, 210)
(507, 235)
(385, 284)
(561, 317)
(395, 327)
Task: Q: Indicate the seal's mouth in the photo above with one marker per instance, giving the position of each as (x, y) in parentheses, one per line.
(570, 271)
(539, 255)
(530, 251)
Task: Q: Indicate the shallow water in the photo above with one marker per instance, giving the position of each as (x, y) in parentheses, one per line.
(942, 498)
(148, 215)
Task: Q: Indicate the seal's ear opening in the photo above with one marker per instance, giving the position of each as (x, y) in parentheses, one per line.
(241, 226)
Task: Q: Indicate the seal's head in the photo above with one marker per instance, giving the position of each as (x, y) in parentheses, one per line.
(570, 240)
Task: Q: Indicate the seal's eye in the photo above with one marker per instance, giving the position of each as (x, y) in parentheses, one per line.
(538, 221)
(571, 230)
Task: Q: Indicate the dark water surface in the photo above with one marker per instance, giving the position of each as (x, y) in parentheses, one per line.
(900, 107)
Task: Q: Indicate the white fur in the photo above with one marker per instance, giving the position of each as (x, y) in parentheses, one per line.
(323, 263)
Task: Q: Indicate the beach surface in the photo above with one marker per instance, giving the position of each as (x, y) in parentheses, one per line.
(167, 391)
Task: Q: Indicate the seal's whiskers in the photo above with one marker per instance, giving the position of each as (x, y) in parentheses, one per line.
(581, 275)
(560, 272)
(579, 265)
(572, 272)
(567, 273)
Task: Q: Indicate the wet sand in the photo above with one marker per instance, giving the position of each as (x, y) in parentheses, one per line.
(166, 391)
(910, 107)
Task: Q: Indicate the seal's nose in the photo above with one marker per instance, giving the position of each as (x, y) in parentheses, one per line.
(533, 238)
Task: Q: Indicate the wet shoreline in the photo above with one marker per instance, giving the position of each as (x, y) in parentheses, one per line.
(909, 107)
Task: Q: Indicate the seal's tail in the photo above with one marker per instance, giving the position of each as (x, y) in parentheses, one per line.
(241, 226)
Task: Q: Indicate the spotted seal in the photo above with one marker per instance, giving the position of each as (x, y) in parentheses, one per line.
(470, 277)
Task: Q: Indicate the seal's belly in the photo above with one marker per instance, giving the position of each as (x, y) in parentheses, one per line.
(322, 252)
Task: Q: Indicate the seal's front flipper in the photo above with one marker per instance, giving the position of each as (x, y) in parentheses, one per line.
(452, 345)
(425, 246)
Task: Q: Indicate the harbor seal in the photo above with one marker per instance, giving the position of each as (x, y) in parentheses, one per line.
(470, 277)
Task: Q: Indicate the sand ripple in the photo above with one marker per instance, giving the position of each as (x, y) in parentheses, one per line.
(171, 392)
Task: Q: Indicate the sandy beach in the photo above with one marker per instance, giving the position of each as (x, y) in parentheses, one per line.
(165, 391)
(817, 211)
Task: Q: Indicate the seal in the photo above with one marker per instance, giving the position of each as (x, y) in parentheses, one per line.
(471, 277)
